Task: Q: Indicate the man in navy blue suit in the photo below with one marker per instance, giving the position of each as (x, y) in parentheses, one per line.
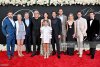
(27, 21)
(8, 29)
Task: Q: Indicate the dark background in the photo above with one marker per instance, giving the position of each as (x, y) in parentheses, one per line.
(67, 9)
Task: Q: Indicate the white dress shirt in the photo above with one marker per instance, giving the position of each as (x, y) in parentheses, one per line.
(27, 22)
(61, 18)
(12, 21)
(91, 22)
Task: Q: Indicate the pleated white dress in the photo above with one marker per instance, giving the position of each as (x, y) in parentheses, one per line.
(46, 34)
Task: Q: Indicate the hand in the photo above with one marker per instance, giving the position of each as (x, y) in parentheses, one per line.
(59, 36)
(74, 35)
(96, 35)
(7, 35)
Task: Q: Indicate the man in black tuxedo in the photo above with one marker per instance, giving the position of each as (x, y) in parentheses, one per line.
(92, 31)
(56, 33)
(27, 21)
(36, 24)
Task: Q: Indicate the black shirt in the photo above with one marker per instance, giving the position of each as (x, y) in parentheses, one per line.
(36, 24)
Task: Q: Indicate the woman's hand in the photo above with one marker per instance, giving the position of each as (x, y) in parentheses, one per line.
(74, 35)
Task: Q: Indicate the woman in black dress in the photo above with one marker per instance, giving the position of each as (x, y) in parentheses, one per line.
(71, 29)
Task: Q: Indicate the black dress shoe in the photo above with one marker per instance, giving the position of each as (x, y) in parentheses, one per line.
(27, 52)
(38, 53)
(12, 55)
(53, 53)
(92, 57)
(65, 53)
(88, 54)
(33, 55)
(9, 57)
(58, 56)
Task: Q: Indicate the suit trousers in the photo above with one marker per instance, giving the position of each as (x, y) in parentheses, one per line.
(10, 45)
(28, 43)
(55, 40)
(80, 43)
(36, 41)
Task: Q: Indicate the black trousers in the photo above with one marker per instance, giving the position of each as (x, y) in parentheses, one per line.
(92, 48)
(28, 43)
(36, 41)
(92, 45)
(55, 40)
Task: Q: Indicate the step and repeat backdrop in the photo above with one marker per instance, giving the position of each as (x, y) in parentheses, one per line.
(66, 8)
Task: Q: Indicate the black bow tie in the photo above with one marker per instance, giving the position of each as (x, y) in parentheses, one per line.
(91, 19)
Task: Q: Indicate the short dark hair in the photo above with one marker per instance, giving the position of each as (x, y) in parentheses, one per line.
(54, 11)
(10, 12)
(79, 12)
(92, 12)
(26, 13)
(60, 9)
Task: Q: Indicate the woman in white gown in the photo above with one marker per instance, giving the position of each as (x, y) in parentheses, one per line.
(46, 36)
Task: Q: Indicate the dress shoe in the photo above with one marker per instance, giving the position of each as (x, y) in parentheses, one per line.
(59, 57)
(92, 57)
(9, 57)
(33, 55)
(12, 55)
(65, 53)
(88, 54)
(53, 53)
(38, 53)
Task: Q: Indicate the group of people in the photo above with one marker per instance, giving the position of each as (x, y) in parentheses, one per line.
(45, 31)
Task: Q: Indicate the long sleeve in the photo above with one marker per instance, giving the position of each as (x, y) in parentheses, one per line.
(85, 27)
(60, 27)
(4, 25)
(97, 27)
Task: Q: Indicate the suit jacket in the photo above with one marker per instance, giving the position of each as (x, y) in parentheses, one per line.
(81, 27)
(56, 26)
(64, 30)
(8, 28)
(28, 28)
(93, 29)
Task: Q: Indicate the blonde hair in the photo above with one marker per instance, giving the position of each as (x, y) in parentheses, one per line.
(71, 14)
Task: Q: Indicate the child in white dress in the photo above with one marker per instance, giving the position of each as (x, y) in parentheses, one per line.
(46, 36)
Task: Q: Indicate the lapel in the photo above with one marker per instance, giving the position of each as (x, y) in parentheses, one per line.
(92, 23)
(11, 23)
(25, 23)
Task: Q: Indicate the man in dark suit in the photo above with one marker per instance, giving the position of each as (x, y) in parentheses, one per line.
(56, 33)
(8, 29)
(36, 23)
(27, 21)
(92, 31)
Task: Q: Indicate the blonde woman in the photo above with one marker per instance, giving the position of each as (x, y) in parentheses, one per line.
(71, 29)
(20, 34)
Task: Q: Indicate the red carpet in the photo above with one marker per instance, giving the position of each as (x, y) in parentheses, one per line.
(53, 61)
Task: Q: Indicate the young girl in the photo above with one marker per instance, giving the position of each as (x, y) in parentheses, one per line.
(46, 36)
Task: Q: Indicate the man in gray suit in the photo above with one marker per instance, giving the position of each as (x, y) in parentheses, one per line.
(63, 19)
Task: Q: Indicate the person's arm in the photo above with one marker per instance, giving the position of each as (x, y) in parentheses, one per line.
(74, 30)
(60, 27)
(50, 22)
(4, 25)
(41, 22)
(65, 21)
(85, 27)
(97, 27)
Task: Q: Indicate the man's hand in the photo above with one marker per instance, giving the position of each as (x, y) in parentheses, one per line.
(59, 36)
(7, 35)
